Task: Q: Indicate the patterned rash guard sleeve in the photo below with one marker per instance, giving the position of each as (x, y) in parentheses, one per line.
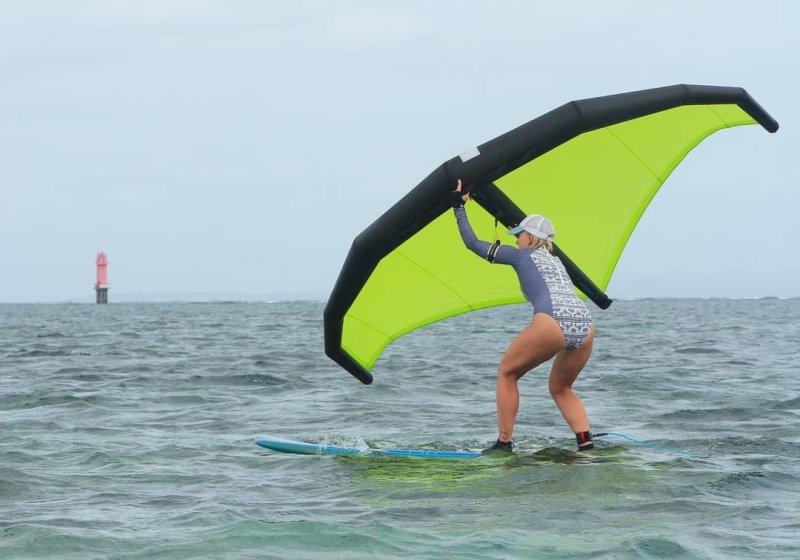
(504, 255)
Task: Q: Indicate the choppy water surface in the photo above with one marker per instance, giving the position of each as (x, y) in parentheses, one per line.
(128, 429)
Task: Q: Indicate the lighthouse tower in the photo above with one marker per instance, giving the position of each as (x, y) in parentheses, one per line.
(101, 286)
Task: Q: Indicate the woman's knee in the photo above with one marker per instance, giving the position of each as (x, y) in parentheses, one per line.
(508, 370)
(558, 388)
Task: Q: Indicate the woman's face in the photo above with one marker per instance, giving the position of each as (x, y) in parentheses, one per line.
(524, 240)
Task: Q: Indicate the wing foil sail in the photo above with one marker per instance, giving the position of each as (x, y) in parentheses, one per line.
(592, 166)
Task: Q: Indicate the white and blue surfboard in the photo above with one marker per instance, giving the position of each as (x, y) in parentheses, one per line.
(303, 448)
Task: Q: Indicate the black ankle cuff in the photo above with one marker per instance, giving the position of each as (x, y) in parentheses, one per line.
(584, 440)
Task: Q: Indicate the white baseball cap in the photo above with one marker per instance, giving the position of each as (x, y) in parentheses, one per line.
(536, 225)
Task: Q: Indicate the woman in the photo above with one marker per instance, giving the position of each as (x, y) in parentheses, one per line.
(561, 327)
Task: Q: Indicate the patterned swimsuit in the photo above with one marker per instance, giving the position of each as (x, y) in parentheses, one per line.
(543, 279)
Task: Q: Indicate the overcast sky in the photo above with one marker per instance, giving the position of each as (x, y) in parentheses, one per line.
(236, 148)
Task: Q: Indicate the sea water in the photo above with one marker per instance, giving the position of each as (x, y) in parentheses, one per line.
(127, 431)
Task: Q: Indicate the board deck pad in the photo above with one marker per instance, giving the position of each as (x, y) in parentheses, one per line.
(304, 448)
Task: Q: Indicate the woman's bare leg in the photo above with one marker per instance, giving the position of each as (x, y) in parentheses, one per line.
(566, 367)
(539, 342)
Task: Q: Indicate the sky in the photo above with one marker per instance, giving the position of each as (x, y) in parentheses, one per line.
(234, 149)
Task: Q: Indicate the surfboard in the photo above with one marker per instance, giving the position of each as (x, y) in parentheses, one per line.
(304, 448)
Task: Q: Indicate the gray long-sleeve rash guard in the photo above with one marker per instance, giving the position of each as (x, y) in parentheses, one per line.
(543, 279)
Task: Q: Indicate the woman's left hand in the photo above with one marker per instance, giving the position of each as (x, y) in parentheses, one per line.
(465, 197)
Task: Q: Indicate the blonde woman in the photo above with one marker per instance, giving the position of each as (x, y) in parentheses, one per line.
(561, 326)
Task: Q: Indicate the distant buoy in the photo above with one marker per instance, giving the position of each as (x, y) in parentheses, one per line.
(101, 286)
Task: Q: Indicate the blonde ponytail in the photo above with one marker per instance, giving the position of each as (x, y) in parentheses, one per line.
(538, 242)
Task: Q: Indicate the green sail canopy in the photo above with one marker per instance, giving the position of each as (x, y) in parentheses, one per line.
(592, 167)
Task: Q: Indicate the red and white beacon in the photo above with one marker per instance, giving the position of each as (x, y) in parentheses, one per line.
(101, 286)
